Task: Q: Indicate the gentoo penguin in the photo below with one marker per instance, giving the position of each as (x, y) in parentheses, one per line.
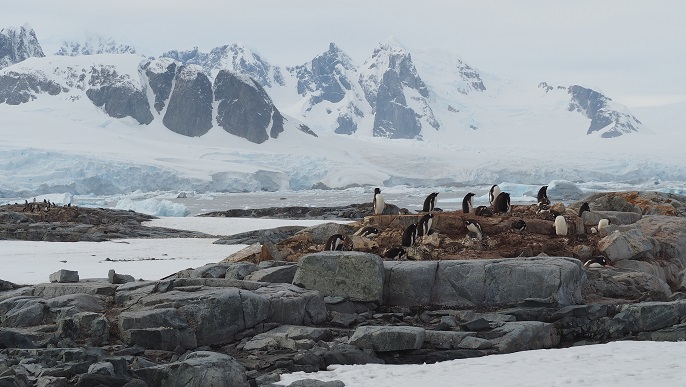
(474, 227)
(560, 225)
(410, 235)
(596, 262)
(483, 211)
(334, 243)
(602, 223)
(367, 232)
(378, 202)
(543, 195)
(430, 202)
(543, 208)
(424, 224)
(493, 194)
(467, 203)
(584, 208)
(519, 225)
(394, 253)
(502, 202)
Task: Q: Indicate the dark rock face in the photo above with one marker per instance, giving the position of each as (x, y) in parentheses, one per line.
(471, 77)
(245, 109)
(595, 106)
(394, 119)
(17, 45)
(160, 80)
(190, 105)
(116, 95)
(323, 74)
(17, 88)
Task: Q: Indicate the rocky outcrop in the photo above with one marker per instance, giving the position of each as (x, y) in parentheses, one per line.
(596, 106)
(161, 73)
(118, 95)
(18, 44)
(18, 88)
(190, 104)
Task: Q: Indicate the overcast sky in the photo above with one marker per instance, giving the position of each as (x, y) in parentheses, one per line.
(632, 50)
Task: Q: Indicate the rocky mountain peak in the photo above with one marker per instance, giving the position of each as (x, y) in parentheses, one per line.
(18, 44)
(94, 44)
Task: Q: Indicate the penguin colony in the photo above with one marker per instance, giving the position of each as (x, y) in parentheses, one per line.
(500, 204)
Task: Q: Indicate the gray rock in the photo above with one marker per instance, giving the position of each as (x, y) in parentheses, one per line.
(393, 118)
(101, 368)
(444, 339)
(64, 276)
(10, 338)
(387, 338)
(115, 278)
(354, 275)
(52, 381)
(626, 285)
(287, 337)
(670, 234)
(240, 270)
(320, 233)
(471, 342)
(190, 105)
(201, 368)
(211, 270)
(591, 218)
(130, 321)
(316, 383)
(277, 274)
(647, 316)
(160, 73)
(117, 96)
(524, 335)
(631, 244)
(563, 190)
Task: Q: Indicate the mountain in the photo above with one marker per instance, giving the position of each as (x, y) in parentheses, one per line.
(94, 44)
(18, 44)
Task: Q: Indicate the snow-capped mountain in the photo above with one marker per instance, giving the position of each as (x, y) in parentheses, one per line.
(18, 44)
(94, 44)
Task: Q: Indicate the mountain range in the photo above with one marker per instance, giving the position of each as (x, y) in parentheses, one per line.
(394, 94)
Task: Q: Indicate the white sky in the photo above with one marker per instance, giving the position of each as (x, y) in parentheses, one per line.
(630, 49)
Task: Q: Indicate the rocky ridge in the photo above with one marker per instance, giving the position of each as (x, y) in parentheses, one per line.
(243, 322)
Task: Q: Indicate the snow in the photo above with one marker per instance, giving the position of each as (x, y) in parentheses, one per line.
(622, 363)
(153, 207)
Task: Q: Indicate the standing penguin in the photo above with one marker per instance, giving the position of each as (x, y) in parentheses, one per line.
(560, 226)
(378, 202)
(493, 194)
(542, 195)
(430, 202)
(424, 225)
(584, 208)
(467, 203)
(474, 227)
(502, 202)
(410, 236)
(335, 243)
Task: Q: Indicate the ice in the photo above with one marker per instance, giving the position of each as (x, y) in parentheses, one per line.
(153, 207)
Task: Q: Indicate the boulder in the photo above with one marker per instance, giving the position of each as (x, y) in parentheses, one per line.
(276, 274)
(625, 285)
(251, 253)
(201, 368)
(591, 218)
(524, 335)
(115, 278)
(388, 338)
(64, 276)
(354, 275)
(631, 244)
(669, 233)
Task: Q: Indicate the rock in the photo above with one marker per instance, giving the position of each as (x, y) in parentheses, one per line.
(564, 190)
(210, 270)
(10, 338)
(643, 202)
(625, 285)
(249, 254)
(276, 274)
(64, 276)
(670, 234)
(240, 270)
(316, 383)
(102, 368)
(445, 339)
(115, 278)
(631, 244)
(387, 338)
(201, 368)
(524, 335)
(321, 232)
(353, 275)
(591, 218)
(287, 337)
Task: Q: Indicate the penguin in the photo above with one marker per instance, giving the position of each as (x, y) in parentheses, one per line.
(602, 223)
(394, 253)
(474, 227)
(367, 232)
(334, 243)
(560, 226)
(493, 194)
(410, 236)
(502, 203)
(542, 195)
(378, 202)
(424, 224)
(467, 203)
(519, 225)
(596, 262)
(584, 208)
(430, 202)
(543, 208)
(483, 211)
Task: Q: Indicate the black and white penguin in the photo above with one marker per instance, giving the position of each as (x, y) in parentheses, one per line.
(410, 236)
(493, 194)
(394, 253)
(560, 226)
(502, 202)
(542, 195)
(602, 223)
(378, 202)
(334, 243)
(483, 211)
(430, 202)
(473, 227)
(467, 203)
(543, 208)
(584, 208)
(424, 224)
(367, 232)
(519, 225)
(596, 262)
